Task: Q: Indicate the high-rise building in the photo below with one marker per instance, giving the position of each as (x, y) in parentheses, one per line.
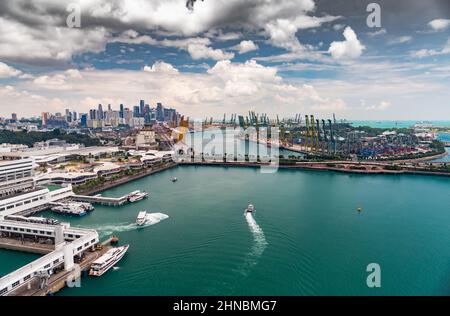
(159, 112)
(74, 116)
(121, 111)
(100, 112)
(68, 116)
(136, 112)
(44, 118)
(92, 114)
(141, 108)
(83, 119)
(14, 117)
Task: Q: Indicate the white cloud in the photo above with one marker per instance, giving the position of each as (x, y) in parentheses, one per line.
(245, 47)
(425, 52)
(377, 33)
(383, 105)
(400, 40)
(8, 72)
(161, 67)
(20, 42)
(439, 24)
(282, 31)
(43, 37)
(234, 86)
(348, 49)
(338, 27)
(197, 47)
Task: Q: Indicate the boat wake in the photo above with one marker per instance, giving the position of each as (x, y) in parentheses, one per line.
(154, 218)
(259, 244)
(151, 219)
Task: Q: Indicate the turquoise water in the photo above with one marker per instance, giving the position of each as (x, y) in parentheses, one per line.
(397, 124)
(306, 237)
(219, 142)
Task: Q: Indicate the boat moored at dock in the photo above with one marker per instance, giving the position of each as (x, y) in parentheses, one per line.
(137, 196)
(108, 260)
(76, 209)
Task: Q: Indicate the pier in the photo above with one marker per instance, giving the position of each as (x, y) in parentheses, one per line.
(109, 201)
(68, 250)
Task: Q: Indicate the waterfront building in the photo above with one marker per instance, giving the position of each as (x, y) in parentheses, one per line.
(18, 191)
(15, 176)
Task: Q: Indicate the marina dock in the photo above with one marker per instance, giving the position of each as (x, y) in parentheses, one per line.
(109, 201)
(62, 279)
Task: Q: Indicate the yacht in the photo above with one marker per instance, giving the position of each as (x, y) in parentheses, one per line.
(250, 208)
(107, 261)
(137, 196)
(141, 218)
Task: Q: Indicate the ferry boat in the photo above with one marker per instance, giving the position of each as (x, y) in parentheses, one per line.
(137, 196)
(174, 179)
(141, 218)
(107, 261)
(250, 208)
(70, 209)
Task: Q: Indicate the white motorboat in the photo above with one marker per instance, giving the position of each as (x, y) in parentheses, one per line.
(141, 218)
(250, 208)
(107, 261)
(137, 196)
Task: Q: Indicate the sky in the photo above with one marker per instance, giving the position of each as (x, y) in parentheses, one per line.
(228, 56)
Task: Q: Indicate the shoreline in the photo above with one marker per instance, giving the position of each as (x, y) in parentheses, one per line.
(320, 168)
(317, 166)
(112, 184)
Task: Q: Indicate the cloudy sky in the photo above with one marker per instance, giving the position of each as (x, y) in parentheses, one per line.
(271, 56)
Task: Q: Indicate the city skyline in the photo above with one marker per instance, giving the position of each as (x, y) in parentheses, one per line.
(278, 57)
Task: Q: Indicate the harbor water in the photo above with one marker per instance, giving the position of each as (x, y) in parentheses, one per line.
(305, 238)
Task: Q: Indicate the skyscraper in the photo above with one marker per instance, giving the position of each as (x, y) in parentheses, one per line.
(100, 112)
(14, 117)
(83, 120)
(121, 111)
(136, 112)
(141, 107)
(44, 118)
(159, 112)
(92, 114)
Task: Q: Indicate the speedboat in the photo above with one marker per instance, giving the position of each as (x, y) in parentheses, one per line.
(174, 179)
(250, 208)
(107, 261)
(141, 218)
